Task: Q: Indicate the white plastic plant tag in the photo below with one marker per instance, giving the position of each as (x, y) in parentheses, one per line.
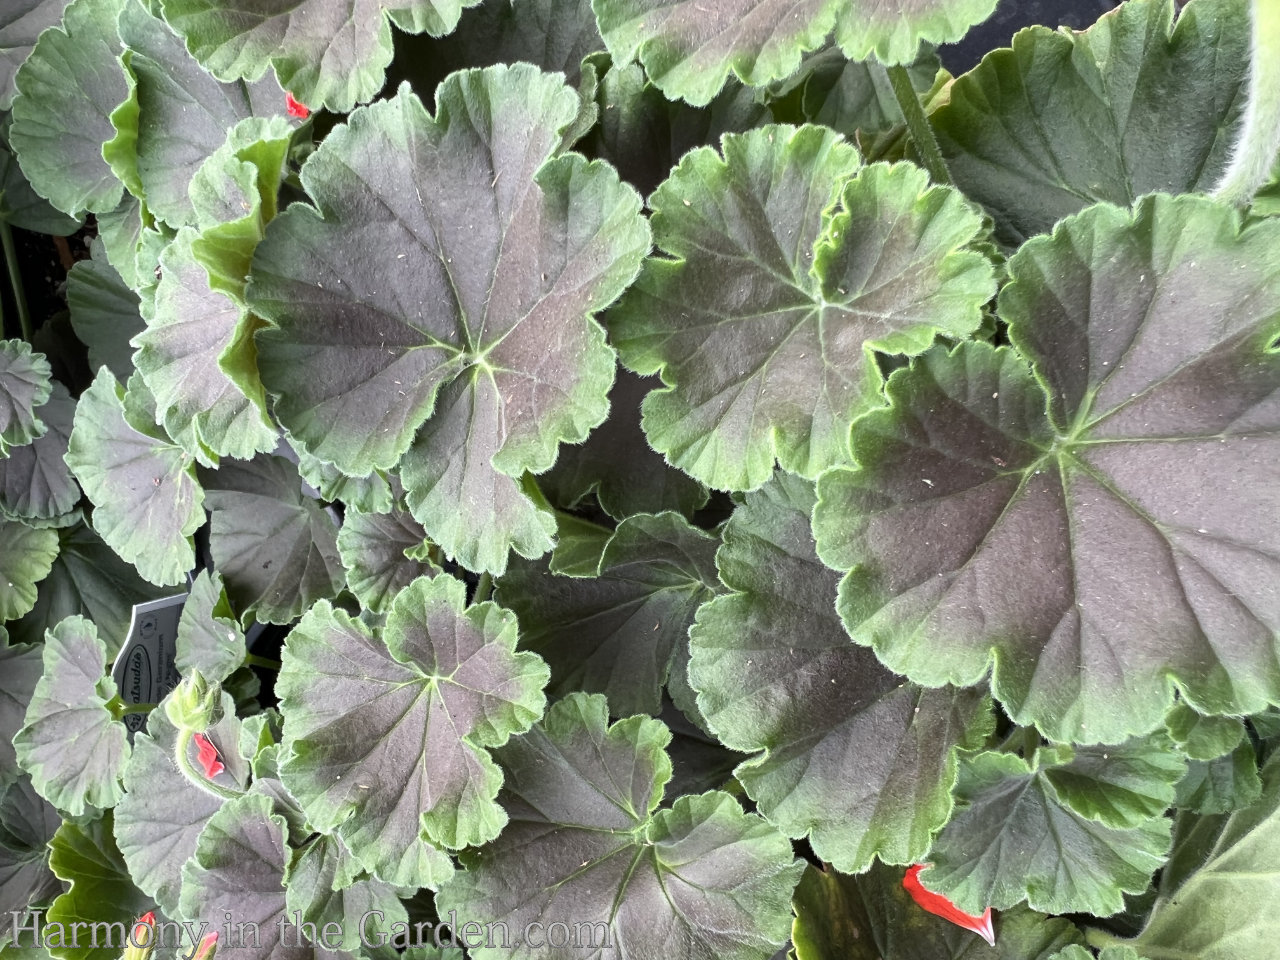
(144, 670)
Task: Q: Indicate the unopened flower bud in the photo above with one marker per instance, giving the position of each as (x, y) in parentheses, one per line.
(194, 704)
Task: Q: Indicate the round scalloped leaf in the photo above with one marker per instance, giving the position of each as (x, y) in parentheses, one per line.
(275, 547)
(623, 630)
(783, 274)
(35, 483)
(21, 24)
(388, 737)
(587, 846)
(162, 814)
(1121, 785)
(480, 280)
(1130, 106)
(383, 553)
(70, 743)
(68, 88)
(24, 387)
(1222, 784)
(27, 823)
(846, 753)
(872, 917)
(104, 311)
(20, 205)
(209, 638)
(144, 491)
(327, 53)
(1017, 838)
(689, 47)
(1201, 737)
(21, 667)
(1124, 543)
(26, 557)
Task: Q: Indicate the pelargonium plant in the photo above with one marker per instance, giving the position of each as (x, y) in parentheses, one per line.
(653, 479)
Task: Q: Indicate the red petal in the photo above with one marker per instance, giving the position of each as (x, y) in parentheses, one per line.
(207, 947)
(294, 107)
(208, 756)
(940, 906)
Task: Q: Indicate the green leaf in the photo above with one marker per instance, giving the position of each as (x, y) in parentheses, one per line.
(871, 917)
(369, 720)
(619, 466)
(1214, 905)
(101, 893)
(26, 557)
(27, 823)
(1221, 784)
(162, 813)
(35, 483)
(20, 669)
(275, 547)
(70, 743)
(20, 205)
(845, 752)
(1067, 118)
(24, 387)
(1077, 952)
(144, 491)
(1016, 838)
(209, 638)
(782, 275)
(355, 358)
(326, 52)
(689, 48)
(87, 579)
(1201, 737)
(1123, 542)
(68, 88)
(104, 312)
(382, 553)
(618, 633)
(371, 494)
(1123, 785)
(587, 847)
(20, 25)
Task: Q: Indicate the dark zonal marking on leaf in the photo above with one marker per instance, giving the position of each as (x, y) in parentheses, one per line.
(1125, 543)
(587, 845)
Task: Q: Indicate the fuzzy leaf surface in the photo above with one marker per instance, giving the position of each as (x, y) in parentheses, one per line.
(35, 483)
(24, 387)
(382, 553)
(26, 557)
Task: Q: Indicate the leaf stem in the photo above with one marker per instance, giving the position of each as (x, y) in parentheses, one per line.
(253, 660)
(918, 124)
(1258, 143)
(15, 280)
(183, 761)
(1101, 939)
(484, 589)
(1030, 743)
(136, 708)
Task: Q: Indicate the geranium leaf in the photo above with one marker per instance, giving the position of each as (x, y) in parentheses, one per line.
(323, 886)
(70, 743)
(371, 494)
(104, 312)
(1028, 515)
(618, 464)
(1122, 785)
(783, 273)
(21, 667)
(184, 113)
(68, 88)
(90, 580)
(1225, 868)
(382, 553)
(35, 483)
(160, 818)
(26, 557)
(1201, 737)
(20, 205)
(356, 708)
(587, 846)
(360, 350)
(1061, 862)
(144, 491)
(20, 25)
(209, 638)
(689, 49)
(1221, 784)
(845, 752)
(1066, 118)
(24, 387)
(27, 823)
(617, 633)
(275, 547)
(327, 53)
(101, 892)
(871, 917)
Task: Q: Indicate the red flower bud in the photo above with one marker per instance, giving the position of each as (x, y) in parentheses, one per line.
(208, 947)
(940, 906)
(295, 108)
(210, 762)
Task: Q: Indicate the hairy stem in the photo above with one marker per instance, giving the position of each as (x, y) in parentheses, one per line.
(918, 124)
(253, 660)
(484, 589)
(1258, 142)
(15, 280)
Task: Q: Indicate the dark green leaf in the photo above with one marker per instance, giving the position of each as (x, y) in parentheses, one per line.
(27, 823)
(371, 494)
(1201, 737)
(20, 205)
(21, 24)
(783, 273)
(324, 886)
(20, 669)
(382, 553)
(24, 387)
(1123, 785)
(1124, 542)
(617, 633)
(209, 638)
(370, 721)
(70, 743)
(1222, 784)
(104, 313)
(26, 557)
(35, 483)
(586, 847)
